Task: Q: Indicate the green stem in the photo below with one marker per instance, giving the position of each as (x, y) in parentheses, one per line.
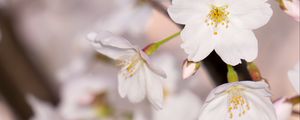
(150, 49)
(163, 41)
(232, 76)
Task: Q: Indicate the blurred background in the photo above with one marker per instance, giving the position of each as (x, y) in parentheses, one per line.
(45, 57)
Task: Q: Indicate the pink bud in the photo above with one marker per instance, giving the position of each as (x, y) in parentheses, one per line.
(189, 68)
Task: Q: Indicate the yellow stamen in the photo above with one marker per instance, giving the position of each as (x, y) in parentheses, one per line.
(237, 103)
(131, 65)
(218, 16)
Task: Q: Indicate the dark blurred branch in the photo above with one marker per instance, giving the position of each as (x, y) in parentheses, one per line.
(213, 63)
(19, 75)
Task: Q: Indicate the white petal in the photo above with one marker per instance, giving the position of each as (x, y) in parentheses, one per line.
(254, 85)
(154, 88)
(237, 44)
(184, 12)
(137, 86)
(215, 110)
(261, 107)
(250, 14)
(249, 84)
(198, 41)
(218, 90)
(154, 68)
(168, 63)
(122, 84)
(294, 78)
(110, 45)
(133, 87)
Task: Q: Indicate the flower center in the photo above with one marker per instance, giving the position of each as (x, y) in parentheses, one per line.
(237, 103)
(131, 65)
(217, 16)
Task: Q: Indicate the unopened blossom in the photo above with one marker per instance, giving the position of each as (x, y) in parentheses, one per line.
(291, 7)
(189, 68)
(138, 78)
(246, 100)
(221, 25)
(294, 78)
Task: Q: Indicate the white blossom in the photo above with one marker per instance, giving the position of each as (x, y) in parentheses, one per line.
(246, 100)
(221, 25)
(137, 78)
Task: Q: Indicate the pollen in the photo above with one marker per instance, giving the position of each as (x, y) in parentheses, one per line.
(218, 16)
(130, 65)
(237, 102)
(215, 33)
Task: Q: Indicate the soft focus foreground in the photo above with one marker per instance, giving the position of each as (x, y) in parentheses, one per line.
(50, 71)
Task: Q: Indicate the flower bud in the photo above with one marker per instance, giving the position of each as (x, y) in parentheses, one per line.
(189, 68)
(254, 72)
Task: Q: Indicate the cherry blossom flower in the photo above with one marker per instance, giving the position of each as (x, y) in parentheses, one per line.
(245, 100)
(221, 25)
(137, 78)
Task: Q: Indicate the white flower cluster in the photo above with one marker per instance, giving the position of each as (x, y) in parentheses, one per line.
(223, 26)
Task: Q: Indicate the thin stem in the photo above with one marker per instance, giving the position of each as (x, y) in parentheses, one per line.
(150, 49)
(163, 41)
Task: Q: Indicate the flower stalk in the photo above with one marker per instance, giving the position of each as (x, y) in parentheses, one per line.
(232, 75)
(150, 49)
